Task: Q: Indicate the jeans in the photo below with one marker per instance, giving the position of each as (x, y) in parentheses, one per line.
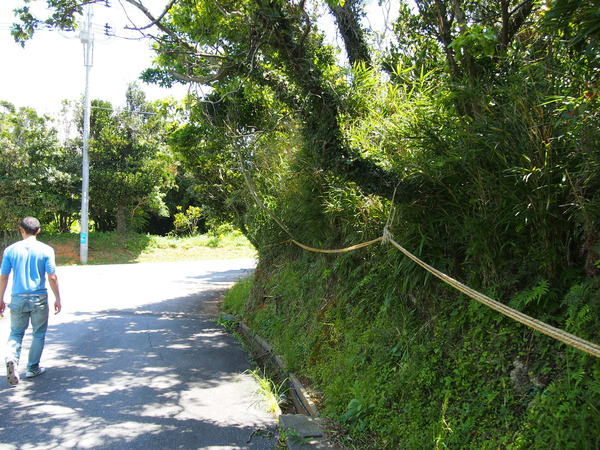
(23, 309)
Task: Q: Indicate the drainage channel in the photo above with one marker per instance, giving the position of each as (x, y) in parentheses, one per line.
(302, 425)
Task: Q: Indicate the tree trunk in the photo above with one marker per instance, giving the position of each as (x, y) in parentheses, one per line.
(121, 220)
(346, 17)
(318, 108)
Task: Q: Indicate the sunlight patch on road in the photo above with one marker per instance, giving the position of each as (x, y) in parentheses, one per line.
(99, 434)
(179, 346)
(162, 409)
(126, 384)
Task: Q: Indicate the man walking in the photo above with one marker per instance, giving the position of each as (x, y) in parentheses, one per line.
(30, 261)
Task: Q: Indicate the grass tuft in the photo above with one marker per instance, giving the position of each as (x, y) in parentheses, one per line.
(272, 395)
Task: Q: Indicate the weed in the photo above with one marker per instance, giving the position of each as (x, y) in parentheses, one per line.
(387, 361)
(288, 435)
(273, 395)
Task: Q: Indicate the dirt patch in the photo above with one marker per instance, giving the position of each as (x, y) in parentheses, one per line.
(66, 254)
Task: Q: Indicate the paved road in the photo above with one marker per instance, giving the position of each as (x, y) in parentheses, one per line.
(134, 361)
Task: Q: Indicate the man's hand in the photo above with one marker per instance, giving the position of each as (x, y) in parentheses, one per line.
(53, 280)
(3, 284)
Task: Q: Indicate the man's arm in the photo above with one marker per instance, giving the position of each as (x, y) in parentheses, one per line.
(53, 280)
(3, 284)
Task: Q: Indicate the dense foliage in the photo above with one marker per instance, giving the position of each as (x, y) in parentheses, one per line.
(37, 173)
(131, 165)
(475, 137)
(135, 179)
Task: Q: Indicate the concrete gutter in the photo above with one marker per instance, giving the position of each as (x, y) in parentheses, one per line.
(303, 430)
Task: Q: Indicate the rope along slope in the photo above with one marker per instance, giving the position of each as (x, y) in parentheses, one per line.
(542, 327)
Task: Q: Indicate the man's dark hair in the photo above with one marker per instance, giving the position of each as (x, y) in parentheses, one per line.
(31, 225)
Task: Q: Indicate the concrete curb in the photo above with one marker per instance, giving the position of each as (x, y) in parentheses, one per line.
(303, 430)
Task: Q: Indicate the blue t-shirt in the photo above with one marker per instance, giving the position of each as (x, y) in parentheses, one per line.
(30, 261)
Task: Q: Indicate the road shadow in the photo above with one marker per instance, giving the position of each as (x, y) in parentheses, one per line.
(161, 375)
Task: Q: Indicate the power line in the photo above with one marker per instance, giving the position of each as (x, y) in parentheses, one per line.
(107, 29)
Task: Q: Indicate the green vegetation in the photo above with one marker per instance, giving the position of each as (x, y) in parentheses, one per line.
(236, 298)
(37, 173)
(131, 163)
(472, 136)
(427, 366)
(117, 248)
(272, 395)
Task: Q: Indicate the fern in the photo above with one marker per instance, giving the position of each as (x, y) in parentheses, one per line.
(534, 294)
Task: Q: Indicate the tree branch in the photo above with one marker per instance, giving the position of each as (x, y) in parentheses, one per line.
(158, 19)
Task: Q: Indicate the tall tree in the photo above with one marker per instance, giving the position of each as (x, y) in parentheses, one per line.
(130, 165)
(38, 176)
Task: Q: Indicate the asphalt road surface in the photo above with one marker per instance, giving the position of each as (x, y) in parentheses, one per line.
(135, 360)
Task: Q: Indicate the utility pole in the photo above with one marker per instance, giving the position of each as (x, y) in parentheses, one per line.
(87, 39)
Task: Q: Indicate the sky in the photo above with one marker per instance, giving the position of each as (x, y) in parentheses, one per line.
(51, 66)
(51, 69)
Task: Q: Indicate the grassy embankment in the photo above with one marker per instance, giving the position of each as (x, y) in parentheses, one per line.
(433, 370)
(112, 248)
